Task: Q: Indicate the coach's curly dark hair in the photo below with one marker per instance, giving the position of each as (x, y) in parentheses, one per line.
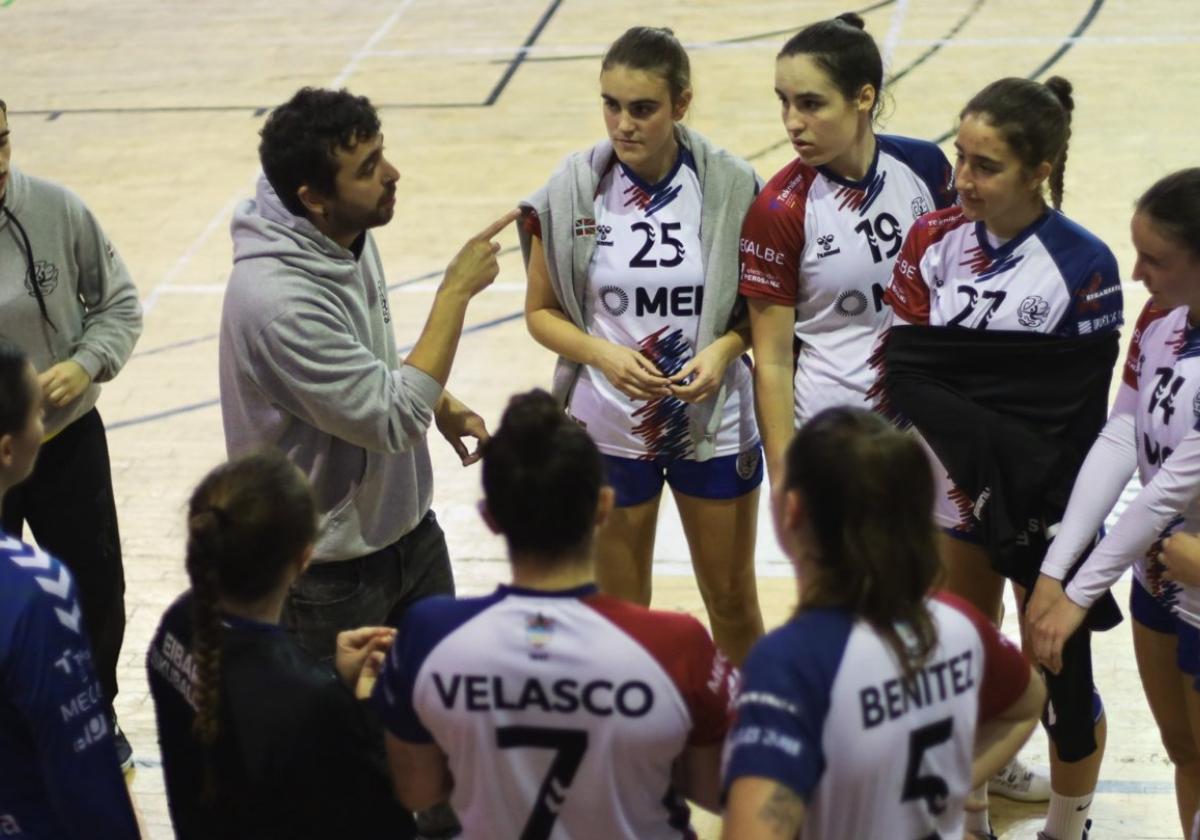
(1034, 119)
(247, 521)
(542, 476)
(868, 491)
(301, 136)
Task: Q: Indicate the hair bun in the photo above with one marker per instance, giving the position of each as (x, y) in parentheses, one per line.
(1062, 89)
(851, 19)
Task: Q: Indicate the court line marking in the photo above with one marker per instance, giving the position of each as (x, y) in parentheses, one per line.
(892, 39)
(180, 264)
(209, 403)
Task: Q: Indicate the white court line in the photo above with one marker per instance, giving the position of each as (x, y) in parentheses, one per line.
(554, 50)
(151, 299)
(430, 286)
(892, 39)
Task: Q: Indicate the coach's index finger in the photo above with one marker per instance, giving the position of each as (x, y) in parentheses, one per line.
(499, 225)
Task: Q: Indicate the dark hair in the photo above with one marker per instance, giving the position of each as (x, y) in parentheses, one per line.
(1173, 203)
(541, 477)
(3, 106)
(1035, 121)
(16, 399)
(301, 136)
(655, 50)
(843, 49)
(868, 490)
(247, 520)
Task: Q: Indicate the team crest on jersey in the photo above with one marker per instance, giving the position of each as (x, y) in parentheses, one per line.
(614, 299)
(827, 249)
(604, 235)
(1033, 312)
(747, 463)
(539, 630)
(851, 303)
(585, 226)
(920, 207)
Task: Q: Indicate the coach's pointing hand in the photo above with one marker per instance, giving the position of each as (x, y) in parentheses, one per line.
(475, 267)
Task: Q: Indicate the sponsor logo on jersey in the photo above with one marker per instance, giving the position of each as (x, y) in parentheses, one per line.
(920, 207)
(603, 234)
(9, 827)
(827, 249)
(851, 303)
(1091, 296)
(585, 226)
(614, 299)
(1196, 404)
(539, 630)
(1033, 311)
(676, 301)
(95, 731)
(769, 255)
(490, 692)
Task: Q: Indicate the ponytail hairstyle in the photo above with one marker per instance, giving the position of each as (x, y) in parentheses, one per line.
(655, 50)
(868, 492)
(16, 398)
(542, 477)
(843, 49)
(1035, 121)
(248, 520)
(1173, 204)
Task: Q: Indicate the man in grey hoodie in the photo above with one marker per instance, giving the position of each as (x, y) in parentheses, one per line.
(68, 301)
(308, 363)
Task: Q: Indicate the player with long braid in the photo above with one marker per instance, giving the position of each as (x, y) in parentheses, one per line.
(260, 739)
(1001, 354)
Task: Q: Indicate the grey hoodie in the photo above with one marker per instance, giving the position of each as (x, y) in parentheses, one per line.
(89, 296)
(308, 364)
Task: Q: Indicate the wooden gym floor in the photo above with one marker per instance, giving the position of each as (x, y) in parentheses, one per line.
(150, 111)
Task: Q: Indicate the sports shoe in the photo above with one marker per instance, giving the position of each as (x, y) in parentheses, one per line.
(124, 748)
(1016, 781)
(1044, 836)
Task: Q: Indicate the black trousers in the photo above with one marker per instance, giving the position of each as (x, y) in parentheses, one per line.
(69, 506)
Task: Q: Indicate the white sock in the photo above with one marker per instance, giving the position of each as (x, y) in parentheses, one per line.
(1067, 815)
(977, 822)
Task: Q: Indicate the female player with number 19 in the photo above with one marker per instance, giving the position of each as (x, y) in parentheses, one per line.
(819, 242)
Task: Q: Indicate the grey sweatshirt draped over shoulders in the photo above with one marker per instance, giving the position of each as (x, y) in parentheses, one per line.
(566, 204)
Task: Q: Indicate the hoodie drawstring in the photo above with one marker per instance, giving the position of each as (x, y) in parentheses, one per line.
(32, 272)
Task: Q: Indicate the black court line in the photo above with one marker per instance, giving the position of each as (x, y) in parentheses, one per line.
(256, 111)
(1063, 49)
(187, 409)
(522, 54)
(897, 76)
(741, 39)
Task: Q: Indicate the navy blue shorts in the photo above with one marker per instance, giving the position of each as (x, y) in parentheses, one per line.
(1150, 612)
(726, 477)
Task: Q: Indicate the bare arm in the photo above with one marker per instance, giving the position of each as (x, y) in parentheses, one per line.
(420, 773)
(627, 369)
(771, 331)
(697, 775)
(997, 740)
(471, 271)
(762, 809)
